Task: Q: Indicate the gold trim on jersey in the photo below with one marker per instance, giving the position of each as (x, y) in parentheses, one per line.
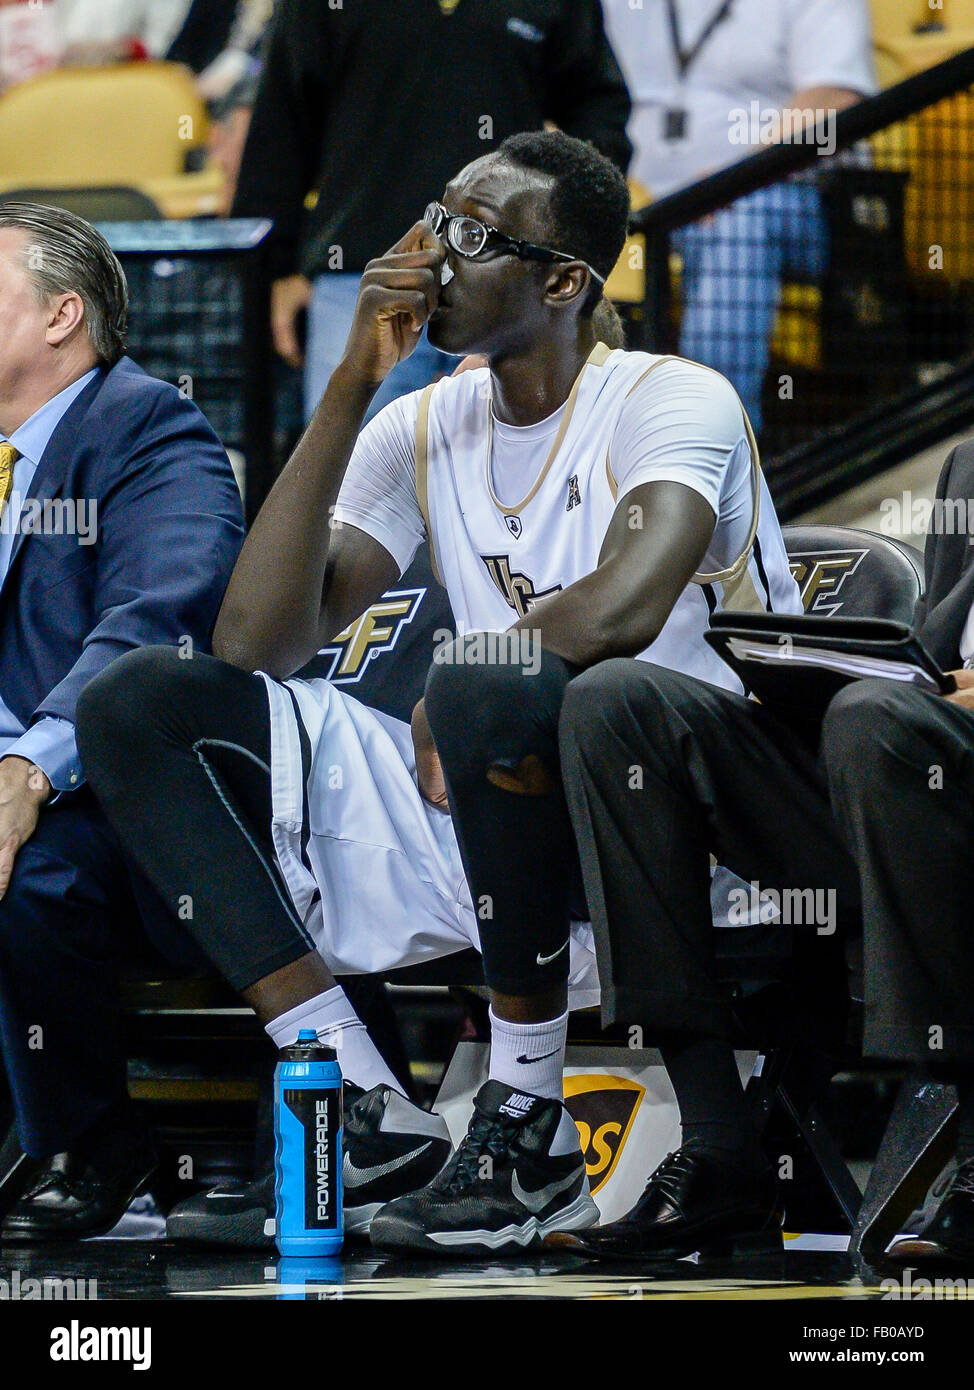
(739, 589)
(422, 471)
(596, 358)
(732, 576)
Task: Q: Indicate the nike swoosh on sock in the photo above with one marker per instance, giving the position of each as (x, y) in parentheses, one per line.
(546, 960)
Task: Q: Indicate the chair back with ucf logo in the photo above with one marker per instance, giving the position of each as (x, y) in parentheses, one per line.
(383, 657)
(845, 572)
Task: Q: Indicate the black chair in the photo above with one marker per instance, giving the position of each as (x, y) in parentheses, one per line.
(854, 573)
(861, 574)
(97, 204)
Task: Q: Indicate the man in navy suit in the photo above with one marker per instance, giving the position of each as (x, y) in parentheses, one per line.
(120, 522)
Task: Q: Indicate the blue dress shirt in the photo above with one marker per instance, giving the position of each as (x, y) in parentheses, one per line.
(49, 743)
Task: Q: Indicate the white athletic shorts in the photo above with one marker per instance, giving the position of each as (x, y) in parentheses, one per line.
(380, 883)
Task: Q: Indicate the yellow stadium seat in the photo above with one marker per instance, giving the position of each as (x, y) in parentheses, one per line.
(797, 338)
(183, 195)
(900, 51)
(909, 54)
(956, 14)
(936, 148)
(897, 18)
(187, 195)
(130, 124)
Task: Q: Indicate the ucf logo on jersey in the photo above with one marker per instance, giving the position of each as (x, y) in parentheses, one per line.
(821, 574)
(518, 590)
(377, 630)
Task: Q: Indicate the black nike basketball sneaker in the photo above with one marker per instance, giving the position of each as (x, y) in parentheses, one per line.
(518, 1174)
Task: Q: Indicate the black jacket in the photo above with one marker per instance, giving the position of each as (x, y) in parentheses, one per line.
(949, 560)
(377, 104)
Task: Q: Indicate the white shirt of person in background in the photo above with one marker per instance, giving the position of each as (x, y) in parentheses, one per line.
(94, 24)
(763, 51)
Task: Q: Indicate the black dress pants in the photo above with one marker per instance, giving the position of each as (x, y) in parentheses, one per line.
(900, 766)
(661, 771)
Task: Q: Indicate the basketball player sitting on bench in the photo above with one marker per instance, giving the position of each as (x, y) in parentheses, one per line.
(563, 482)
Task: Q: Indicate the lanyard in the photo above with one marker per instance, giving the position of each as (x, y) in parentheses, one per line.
(685, 58)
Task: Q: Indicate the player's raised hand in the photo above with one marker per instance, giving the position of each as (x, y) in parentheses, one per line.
(399, 292)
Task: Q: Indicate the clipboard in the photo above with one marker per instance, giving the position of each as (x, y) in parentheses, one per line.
(799, 661)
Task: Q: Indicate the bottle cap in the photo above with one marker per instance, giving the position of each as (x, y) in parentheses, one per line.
(307, 1048)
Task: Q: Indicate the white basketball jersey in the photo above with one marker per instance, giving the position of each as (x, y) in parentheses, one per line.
(498, 561)
(373, 871)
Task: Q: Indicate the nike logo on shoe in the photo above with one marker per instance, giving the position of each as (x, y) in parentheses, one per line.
(546, 960)
(536, 1201)
(517, 1105)
(524, 1061)
(358, 1177)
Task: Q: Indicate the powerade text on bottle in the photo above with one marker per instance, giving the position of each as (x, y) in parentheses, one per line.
(308, 1148)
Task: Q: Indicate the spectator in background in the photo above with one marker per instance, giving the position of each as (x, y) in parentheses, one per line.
(696, 69)
(371, 108)
(212, 37)
(30, 43)
(239, 60)
(109, 31)
(227, 136)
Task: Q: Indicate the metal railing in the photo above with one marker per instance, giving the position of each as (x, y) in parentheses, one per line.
(880, 331)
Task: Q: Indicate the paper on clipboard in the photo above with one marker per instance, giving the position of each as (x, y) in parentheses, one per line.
(793, 654)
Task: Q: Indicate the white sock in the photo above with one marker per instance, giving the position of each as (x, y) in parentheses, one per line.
(339, 1026)
(529, 1056)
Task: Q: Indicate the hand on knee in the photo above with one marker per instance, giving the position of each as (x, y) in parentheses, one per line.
(529, 777)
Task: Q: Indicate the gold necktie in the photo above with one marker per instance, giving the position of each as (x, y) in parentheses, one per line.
(8, 457)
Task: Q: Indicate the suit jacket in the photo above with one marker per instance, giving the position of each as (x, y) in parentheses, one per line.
(143, 459)
(949, 561)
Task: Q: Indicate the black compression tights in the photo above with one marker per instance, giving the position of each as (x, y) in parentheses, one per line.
(518, 850)
(178, 753)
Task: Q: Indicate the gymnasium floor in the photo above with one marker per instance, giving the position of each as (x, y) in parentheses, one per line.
(153, 1270)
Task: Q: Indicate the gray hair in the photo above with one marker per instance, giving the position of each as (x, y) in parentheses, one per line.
(65, 254)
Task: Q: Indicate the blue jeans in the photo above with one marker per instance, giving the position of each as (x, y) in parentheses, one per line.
(329, 319)
(733, 265)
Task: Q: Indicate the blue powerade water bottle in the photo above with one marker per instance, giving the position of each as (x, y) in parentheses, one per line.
(308, 1148)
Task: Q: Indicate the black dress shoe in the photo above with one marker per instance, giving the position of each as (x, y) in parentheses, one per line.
(948, 1236)
(72, 1196)
(16, 1171)
(692, 1202)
